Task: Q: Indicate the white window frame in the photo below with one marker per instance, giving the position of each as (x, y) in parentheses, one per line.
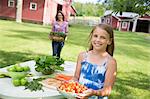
(124, 25)
(9, 3)
(33, 3)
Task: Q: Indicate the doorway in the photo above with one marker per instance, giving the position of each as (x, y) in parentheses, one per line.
(131, 26)
(142, 26)
(59, 7)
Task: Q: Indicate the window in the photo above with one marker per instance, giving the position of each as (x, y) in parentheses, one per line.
(103, 20)
(124, 25)
(11, 3)
(107, 20)
(33, 6)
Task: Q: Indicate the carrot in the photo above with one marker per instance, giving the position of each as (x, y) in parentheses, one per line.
(63, 77)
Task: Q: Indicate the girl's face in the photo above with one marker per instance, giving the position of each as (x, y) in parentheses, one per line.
(100, 39)
(60, 17)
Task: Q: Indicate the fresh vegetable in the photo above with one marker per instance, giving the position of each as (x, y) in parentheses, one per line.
(11, 69)
(18, 68)
(16, 82)
(34, 85)
(73, 87)
(2, 76)
(57, 36)
(48, 64)
(18, 74)
(15, 75)
(19, 82)
(63, 77)
(23, 81)
(26, 68)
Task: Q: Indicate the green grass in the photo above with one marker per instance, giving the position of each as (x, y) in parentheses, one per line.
(22, 42)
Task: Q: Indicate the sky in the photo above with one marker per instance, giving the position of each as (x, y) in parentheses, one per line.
(84, 1)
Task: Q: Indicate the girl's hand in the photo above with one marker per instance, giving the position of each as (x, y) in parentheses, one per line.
(75, 79)
(85, 94)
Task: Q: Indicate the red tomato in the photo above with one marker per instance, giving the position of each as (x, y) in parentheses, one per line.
(73, 87)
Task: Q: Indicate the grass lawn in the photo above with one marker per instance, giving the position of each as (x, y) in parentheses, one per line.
(22, 42)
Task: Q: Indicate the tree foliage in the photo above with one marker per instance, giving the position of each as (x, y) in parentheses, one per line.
(137, 6)
(89, 9)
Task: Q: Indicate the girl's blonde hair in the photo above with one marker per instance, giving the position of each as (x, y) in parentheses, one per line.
(109, 30)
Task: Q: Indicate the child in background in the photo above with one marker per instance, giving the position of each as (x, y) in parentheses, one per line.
(97, 68)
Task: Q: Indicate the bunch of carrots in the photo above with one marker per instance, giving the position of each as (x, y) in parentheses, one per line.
(63, 77)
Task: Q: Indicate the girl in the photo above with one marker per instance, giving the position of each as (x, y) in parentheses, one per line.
(97, 68)
(59, 26)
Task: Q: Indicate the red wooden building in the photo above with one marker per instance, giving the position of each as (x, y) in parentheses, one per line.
(39, 11)
(128, 21)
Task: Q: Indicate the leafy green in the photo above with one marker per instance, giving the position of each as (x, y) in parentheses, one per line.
(48, 64)
(34, 85)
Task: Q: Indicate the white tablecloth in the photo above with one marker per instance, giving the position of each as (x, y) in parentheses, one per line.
(8, 91)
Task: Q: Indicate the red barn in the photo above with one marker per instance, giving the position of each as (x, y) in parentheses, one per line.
(10, 6)
(39, 11)
(128, 21)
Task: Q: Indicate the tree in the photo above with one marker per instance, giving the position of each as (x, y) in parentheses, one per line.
(137, 6)
(89, 9)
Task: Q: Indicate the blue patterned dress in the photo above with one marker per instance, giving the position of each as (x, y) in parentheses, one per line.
(93, 75)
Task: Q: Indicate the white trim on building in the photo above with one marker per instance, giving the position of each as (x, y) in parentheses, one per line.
(19, 11)
(33, 6)
(11, 3)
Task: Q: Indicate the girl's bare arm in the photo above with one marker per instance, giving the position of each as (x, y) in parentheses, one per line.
(109, 79)
(78, 67)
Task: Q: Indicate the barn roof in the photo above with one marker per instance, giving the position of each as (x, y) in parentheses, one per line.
(124, 14)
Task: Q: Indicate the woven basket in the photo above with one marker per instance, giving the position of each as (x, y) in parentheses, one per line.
(55, 36)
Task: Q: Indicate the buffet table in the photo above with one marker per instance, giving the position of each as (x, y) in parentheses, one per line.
(9, 91)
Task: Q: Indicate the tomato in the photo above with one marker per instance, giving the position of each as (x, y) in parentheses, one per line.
(73, 87)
